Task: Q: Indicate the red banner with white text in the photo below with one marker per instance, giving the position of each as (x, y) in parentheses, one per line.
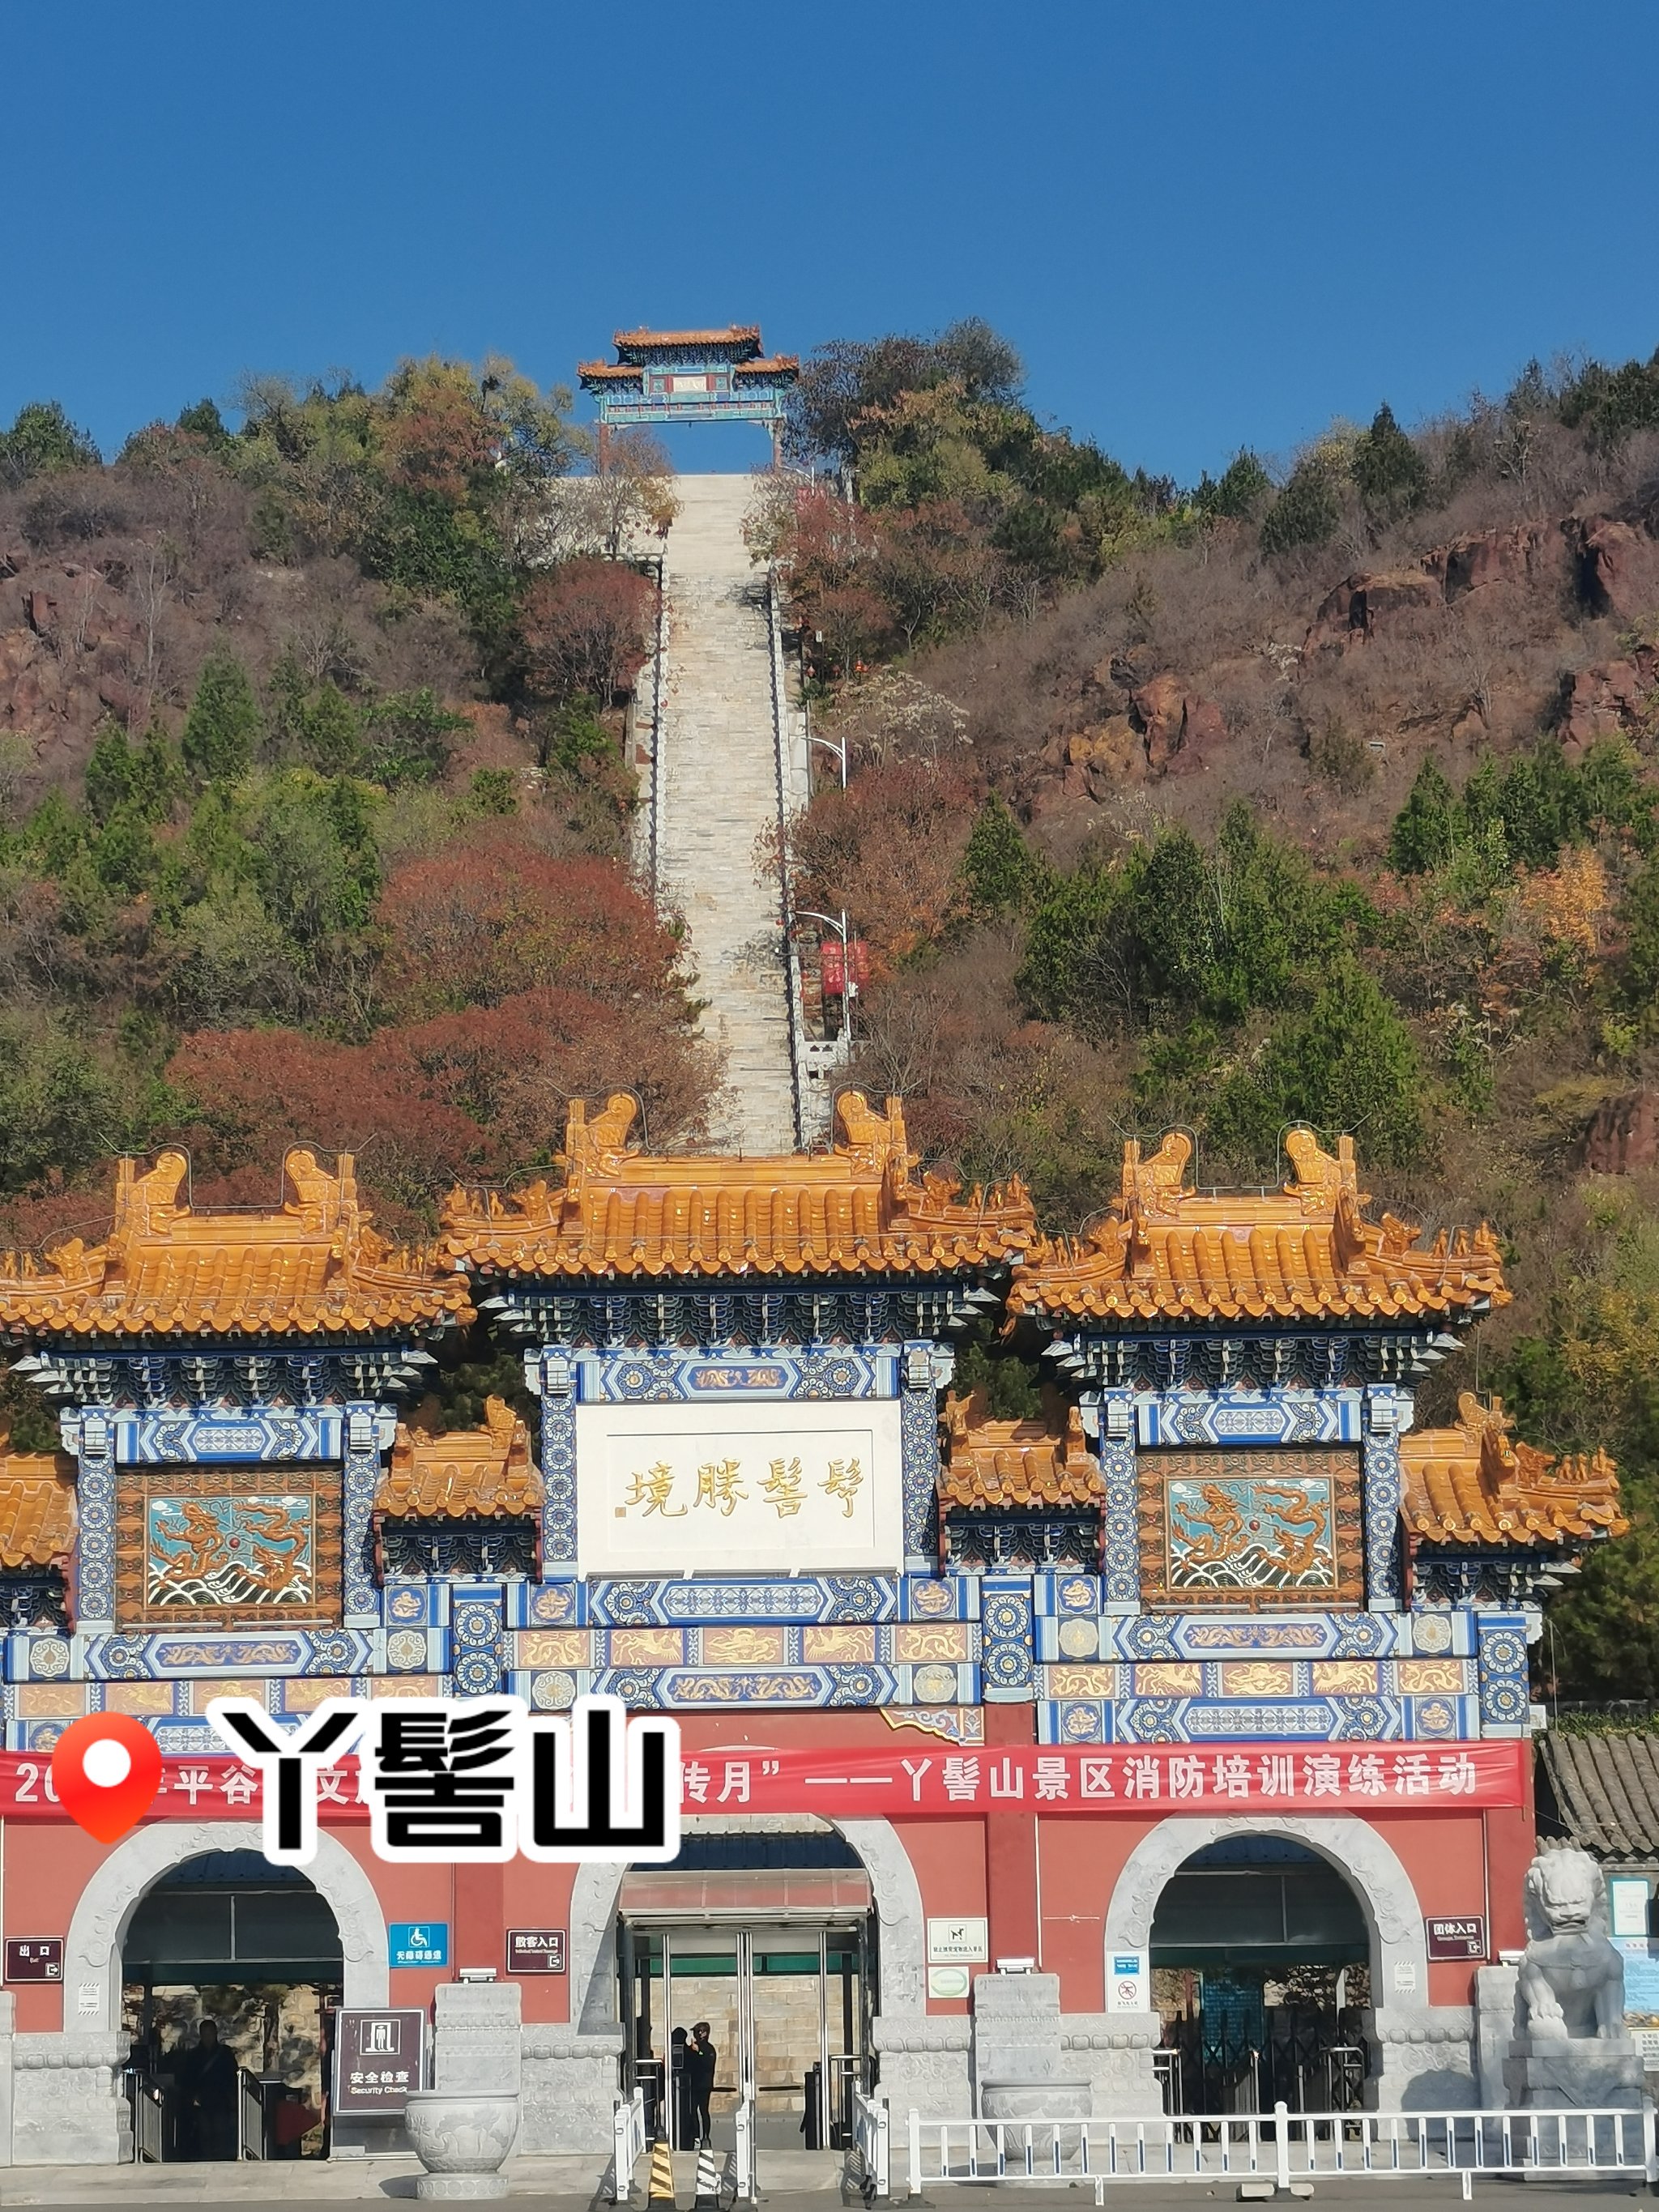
(914, 1779)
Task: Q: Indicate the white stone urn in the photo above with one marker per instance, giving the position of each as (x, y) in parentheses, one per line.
(461, 2137)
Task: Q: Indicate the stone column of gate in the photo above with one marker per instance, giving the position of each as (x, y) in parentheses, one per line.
(719, 796)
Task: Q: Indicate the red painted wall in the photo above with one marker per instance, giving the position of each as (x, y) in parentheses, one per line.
(1043, 1883)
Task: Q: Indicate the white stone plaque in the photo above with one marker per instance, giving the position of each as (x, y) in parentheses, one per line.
(739, 1489)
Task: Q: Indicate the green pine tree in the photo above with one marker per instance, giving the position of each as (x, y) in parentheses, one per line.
(223, 726)
(998, 872)
(1429, 825)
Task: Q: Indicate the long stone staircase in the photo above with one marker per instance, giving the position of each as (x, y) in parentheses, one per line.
(717, 791)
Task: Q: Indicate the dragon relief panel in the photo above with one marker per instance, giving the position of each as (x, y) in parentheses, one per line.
(1251, 1528)
(227, 1545)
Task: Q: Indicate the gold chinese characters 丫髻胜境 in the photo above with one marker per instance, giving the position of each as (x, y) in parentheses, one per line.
(721, 1484)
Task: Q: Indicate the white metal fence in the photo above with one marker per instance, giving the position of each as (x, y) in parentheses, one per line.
(628, 2144)
(743, 2156)
(1282, 2147)
(869, 2153)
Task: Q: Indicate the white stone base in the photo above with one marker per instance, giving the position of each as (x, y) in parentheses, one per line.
(571, 2081)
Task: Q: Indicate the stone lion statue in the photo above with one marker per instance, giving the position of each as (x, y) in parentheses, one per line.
(1571, 1982)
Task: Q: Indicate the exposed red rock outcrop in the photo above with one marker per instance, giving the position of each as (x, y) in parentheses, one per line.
(1624, 1138)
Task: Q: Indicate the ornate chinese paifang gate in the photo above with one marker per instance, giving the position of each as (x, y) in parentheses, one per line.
(690, 376)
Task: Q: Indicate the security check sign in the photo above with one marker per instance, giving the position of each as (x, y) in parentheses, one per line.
(474, 1781)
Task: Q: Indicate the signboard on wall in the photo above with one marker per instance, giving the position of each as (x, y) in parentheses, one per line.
(1128, 1981)
(34, 1958)
(377, 2060)
(535, 1950)
(739, 1487)
(1461, 1938)
(958, 1943)
(418, 1943)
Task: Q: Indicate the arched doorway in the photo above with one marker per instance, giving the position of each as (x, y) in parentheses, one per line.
(766, 1932)
(1260, 1957)
(226, 1937)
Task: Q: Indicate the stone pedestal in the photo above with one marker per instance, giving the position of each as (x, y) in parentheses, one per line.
(924, 2066)
(570, 2082)
(1581, 2074)
(1113, 2052)
(67, 2108)
(1018, 2069)
(1494, 2032)
(1420, 2058)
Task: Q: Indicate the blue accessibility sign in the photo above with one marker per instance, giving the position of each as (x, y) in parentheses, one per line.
(419, 1942)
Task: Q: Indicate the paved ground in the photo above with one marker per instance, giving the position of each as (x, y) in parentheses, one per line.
(790, 2181)
(720, 794)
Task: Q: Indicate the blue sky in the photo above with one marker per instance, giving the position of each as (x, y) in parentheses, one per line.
(1202, 225)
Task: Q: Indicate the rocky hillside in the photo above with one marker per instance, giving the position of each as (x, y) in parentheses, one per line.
(1327, 794)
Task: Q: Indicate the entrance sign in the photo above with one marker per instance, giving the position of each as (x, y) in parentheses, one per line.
(379, 2058)
(740, 1487)
(34, 1958)
(418, 1943)
(535, 1950)
(958, 1943)
(1457, 1939)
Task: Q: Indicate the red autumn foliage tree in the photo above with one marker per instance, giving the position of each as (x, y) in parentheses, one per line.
(888, 849)
(587, 627)
(479, 1093)
(482, 921)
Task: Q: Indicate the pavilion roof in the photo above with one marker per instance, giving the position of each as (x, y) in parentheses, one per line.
(1168, 1253)
(312, 1265)
(483, 1474)
(741, 339)
(37, 1507)
(1473, 1483)
(859, 1209)
(1016, 1463)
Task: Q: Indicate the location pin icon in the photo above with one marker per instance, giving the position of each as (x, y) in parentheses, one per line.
(105, 1771)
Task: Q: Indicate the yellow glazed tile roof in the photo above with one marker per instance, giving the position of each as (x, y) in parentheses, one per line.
(1016, 1463)
(37, 1507)
(471, 1473)
(312, 1265)
(1306, 1252)
(857, 1210)
(1473, 1483)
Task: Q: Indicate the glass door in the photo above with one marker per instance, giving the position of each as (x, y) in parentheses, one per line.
(787, 2009)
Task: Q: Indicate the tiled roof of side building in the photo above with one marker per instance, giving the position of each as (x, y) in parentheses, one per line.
(312, 1265)
(1168, 1252)
(860, 1209)
(610, 372)
(1016, 1463)
(483, 1474)
(37, 1507)
(1476, 1484)
(1600, 1791)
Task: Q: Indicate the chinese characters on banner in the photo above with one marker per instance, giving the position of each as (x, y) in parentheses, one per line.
(1154, 1779)
(421, 1798)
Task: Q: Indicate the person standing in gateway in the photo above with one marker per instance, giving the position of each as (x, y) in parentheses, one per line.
(700, 2063)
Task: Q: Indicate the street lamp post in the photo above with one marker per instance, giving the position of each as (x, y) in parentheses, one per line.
(848, 982)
